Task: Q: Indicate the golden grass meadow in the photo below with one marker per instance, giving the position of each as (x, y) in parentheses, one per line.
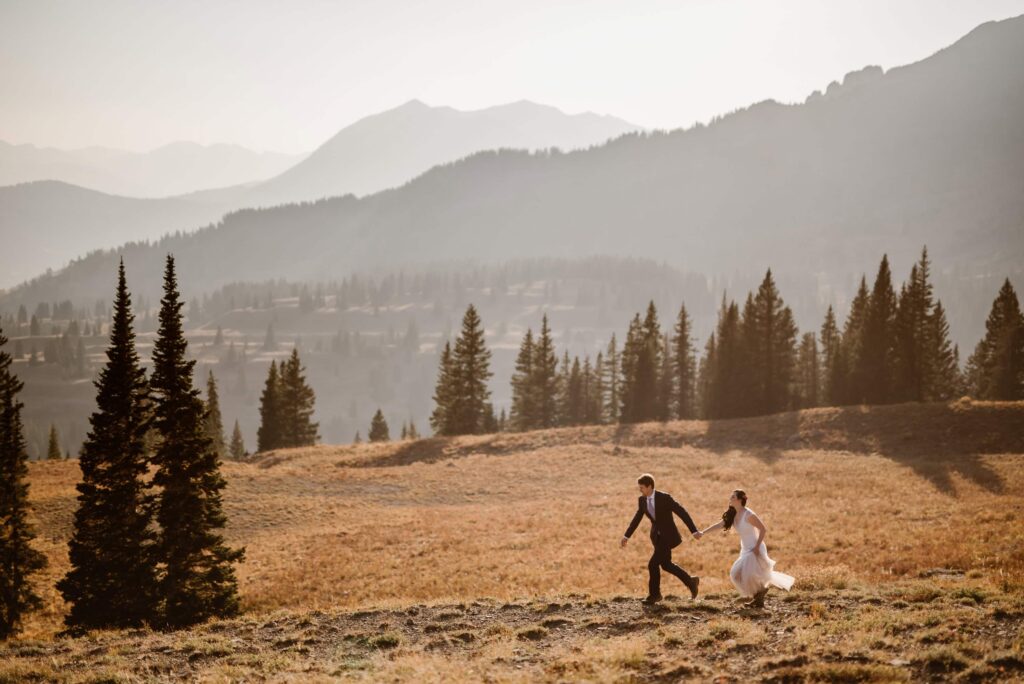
(496, 558)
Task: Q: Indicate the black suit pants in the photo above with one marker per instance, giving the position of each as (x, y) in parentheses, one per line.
(662, 559)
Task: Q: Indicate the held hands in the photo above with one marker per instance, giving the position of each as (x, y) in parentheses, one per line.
(697, 535)
(622, 544)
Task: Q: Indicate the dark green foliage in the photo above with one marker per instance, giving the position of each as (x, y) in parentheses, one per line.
(18, 560)
(296, 405)
(544, 382)
(237, 447)
(807, 380)
(593, 392)
(996, 369)
(944, 382)
(771, 349)
(523, 414)
(832, 372)
(727, 382)
(113, 577)
(461, 394)
(628, 362)
(610, 378)
(666, 381)
(269, 436)
(562, 395)
(575, 405)
(53, 445)
(198, 580)
(853, 390)
(442, 419)
(877, 361)
(684, 366)
(379, 428)
(214, 423)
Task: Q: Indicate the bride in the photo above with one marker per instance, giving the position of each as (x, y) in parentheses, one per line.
(753, 573)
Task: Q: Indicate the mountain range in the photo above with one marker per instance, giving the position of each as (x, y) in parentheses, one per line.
(54, 221)
(883, 162)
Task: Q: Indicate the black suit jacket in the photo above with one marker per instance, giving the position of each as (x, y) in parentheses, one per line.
(663, 528)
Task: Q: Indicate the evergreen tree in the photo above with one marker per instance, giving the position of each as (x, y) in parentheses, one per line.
(593, 391)
(562, 383)
(944, 381)
(379, 428)
(471, 360)
(413, 433)
(297, 401)
(771, 348)
(610, 378)
(628, 362)
(852, 349)
(270, 435)
(490, 421)
(998, 361)
(357, 439)
(18, 560)
(53, 446)
(524, 411)
(574, 397)
(442, 418)
(545, 378)
(831, 342)
(237, 447)
(213, 422)
(666, 382)
(807, 371)
(198, 581)
(705, 379)
(877, 360)
(684, 366)
(727, 381)
(113, 577)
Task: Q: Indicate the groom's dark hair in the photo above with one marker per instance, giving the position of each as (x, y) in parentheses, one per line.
(647, 480)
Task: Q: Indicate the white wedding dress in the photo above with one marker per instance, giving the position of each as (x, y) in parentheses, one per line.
(754, 570)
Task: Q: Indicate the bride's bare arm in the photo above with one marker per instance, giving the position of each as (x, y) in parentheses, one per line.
(717, 526)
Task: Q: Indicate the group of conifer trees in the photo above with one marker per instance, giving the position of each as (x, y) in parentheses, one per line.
(149, 551)
(286, 407)
(893, 347)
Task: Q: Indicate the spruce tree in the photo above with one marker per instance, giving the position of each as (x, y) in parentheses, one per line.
(379, 428)
(727, 374)
(611, 380)
(684, 367)
(269, 435)
(808, 382)
(998, 360)
(296, 404)
(877, 359)
(53, 452)
(852, 349)
(113, 577)
(770, 344)
(666, 382)
(198, 580)
(213, 422)
(545, 379)
(18, 560)
(237, 447)
(944, 380)
(413, 433)
(628, 362)
(705, 378)
(524, 411)
(831, 342)
(562, 393)
(471, 359)
(442, 418)
(574, 397)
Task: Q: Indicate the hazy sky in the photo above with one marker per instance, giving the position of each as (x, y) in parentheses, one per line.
(286, 75)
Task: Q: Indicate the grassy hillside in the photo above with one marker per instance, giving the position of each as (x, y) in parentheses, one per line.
(449, 558)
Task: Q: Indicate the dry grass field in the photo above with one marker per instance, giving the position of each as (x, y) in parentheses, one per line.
(496, 558)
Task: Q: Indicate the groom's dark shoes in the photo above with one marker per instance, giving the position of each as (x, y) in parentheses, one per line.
(652, 599)
(692, 586)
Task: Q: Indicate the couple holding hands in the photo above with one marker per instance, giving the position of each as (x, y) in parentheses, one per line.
(753, 573)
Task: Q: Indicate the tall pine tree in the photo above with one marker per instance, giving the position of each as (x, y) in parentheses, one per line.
(113, 577)
(237, 447)
(524, 411)
(214, 423)
(296, 404)
(545, 378)
(877, 360)
(270, 434)
(442, 418)
(198, 580)
(18, 560)
(684, 366)
(998, 361)
(832, 377)
(379, 428)
(53, 445)
(772, 350)
(471, 360)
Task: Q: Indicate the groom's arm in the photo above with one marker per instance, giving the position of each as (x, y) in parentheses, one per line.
(681, 512)
(636, 521)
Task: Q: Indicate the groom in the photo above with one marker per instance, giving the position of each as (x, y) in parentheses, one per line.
(659, 507)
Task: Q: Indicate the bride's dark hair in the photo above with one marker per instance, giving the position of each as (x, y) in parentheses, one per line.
(729, 517)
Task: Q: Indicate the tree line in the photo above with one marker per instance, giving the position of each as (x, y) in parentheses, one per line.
(892, 347)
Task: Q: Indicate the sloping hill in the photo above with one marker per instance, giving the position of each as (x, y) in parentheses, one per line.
(458, 557)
